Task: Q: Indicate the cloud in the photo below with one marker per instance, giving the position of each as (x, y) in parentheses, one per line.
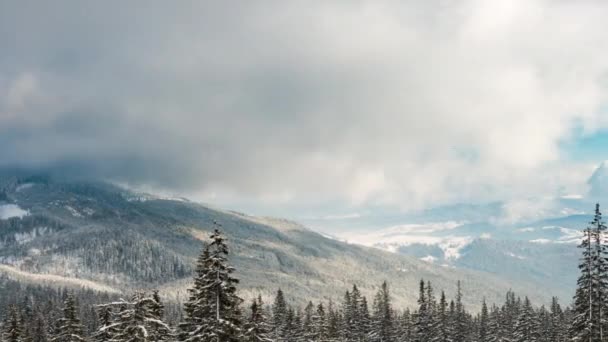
(384, 103)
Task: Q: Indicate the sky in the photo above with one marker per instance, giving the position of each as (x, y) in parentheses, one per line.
(310, 108)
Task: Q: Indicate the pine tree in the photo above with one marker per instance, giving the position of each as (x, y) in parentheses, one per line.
(423, 324)
(557, 322)
(212, 311)
(365, 324)
(483, 323)
(495, 332)
(319, 324)
(107, 330)
(307, 326)
(158, 330)
(69, 328)
(383, 316)
(40, 329)
(526, 328)
(333, 322)
(441, 332)
(354, 323)
(12, 326)
(257, 330)
(279, 315)
(591, 286)
(459, 318)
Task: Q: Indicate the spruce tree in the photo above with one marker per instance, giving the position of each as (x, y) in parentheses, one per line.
(423, 324)
(459, 319)
(526, 328)
(441, 332)
(383, 316)
(11, 329)
(483, 323)
(69, 328)
(256, 329)
(107, 329)
(589, 301)
(212, 310)
(279, 315)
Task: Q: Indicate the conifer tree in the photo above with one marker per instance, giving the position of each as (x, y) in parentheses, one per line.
(333, 322)
(69, 328)
(526, 328)
(319, 324)
(483, 323)
(383, 316)
(459, 318)
(212, 311)
(256, 329)
(279, 315)
(423, 324)
(11, 331)
(589, 301)
(107, 329)
(365, 320)
(441, 332)
(557, 324)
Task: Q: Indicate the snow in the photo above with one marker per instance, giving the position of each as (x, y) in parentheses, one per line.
(12, 210)
(429, 258)
(24, 186)
(392, 238)
(515, 256)
(73, 211)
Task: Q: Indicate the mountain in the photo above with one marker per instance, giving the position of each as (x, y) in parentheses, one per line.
(532, 240)
(97, 235)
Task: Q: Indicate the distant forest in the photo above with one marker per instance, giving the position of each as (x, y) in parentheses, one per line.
(213, 311)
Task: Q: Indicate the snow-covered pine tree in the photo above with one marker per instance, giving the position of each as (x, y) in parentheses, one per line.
(106, 331)
(383, 328)
(279, 315)
(557, 323)
(69, 328)
(495, 325)
(347, 316)
(40, 328)
(256, 329)
(600, 274)
(139, 320)
(307, 327)
(459, 319)
(365, 324)
(431, 304)
(333, 322)
(158, 330)
(212, 310)
(423, 325)
(441, 331)
(586, 324)
(483, 323)
(11, 329)
(526, 328)
(319, 324)
(354, 323)
(543, 319)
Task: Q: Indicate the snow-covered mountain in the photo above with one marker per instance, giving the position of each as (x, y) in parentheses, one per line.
(107, 238)
(525, 239)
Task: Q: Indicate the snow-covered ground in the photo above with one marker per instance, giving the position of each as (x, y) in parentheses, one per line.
(11, 210)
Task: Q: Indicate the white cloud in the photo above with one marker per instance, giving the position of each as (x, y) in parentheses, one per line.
(383, 103)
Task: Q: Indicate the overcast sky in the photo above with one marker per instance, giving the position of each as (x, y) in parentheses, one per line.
(300, 106)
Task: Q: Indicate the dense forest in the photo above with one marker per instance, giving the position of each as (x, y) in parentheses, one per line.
(213, 311)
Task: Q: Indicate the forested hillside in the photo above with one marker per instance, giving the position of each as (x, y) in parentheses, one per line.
(112, 239)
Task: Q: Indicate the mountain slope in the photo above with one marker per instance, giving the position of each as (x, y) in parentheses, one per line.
(123, 240)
